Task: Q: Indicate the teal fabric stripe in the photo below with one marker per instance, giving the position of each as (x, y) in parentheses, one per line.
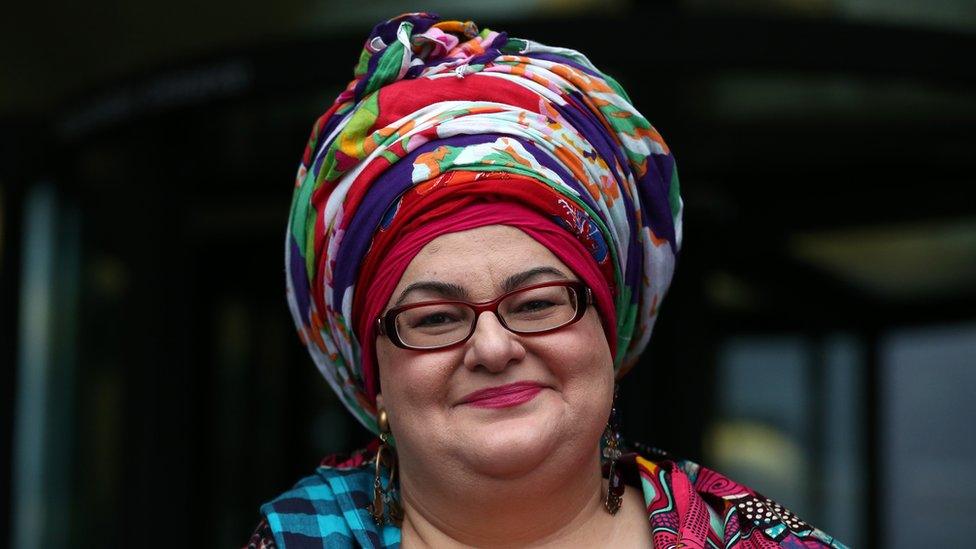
(391, 536)
(274, 521)
(345, 487)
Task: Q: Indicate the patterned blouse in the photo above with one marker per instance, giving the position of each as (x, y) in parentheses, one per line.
(687, 506)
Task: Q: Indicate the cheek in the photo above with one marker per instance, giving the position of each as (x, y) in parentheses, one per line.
(581, 359)
(597, 361)
(588, 350)
(411, 381)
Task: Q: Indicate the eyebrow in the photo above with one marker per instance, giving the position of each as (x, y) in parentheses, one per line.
(446, 289)
(454, 291)
(519, 279)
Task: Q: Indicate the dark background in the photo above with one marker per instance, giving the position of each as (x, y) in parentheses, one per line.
(818, 342)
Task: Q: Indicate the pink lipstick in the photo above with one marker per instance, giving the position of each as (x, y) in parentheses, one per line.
(504, 396)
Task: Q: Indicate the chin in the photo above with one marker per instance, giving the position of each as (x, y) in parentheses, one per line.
(507, 448)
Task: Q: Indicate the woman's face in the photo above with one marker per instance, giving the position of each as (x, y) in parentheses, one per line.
(427, 393)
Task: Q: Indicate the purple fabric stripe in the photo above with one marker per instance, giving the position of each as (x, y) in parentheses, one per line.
(414, 71)
(489, 55)
(500, 41)
(317, 163)
(654, 197)
(330, 125)
(583, 119)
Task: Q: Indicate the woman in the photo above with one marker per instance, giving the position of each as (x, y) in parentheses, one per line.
(482, 230)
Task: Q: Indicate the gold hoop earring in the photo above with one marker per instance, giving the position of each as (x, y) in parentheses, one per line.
(385, 507)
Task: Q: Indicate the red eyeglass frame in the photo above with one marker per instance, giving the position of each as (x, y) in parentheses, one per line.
(386, 323)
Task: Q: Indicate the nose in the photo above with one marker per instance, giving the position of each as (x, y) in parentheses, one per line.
(492, 346)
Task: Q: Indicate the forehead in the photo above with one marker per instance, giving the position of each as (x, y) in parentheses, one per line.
(479, 259)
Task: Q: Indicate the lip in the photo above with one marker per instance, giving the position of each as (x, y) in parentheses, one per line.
(503, 396)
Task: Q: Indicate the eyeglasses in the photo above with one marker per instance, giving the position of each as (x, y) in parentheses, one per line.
(534, 309)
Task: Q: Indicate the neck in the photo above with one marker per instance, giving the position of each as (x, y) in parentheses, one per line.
(545, 506)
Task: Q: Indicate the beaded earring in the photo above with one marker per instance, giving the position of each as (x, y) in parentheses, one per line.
(611, 452)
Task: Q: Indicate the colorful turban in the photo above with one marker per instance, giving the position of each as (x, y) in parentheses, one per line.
(440, 114)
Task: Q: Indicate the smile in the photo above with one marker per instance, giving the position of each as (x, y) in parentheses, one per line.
(503, 396)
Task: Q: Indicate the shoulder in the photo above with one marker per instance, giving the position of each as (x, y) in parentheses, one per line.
(327, 507)
(686, 499)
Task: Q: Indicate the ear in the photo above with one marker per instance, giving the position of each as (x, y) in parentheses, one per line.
(379, 402)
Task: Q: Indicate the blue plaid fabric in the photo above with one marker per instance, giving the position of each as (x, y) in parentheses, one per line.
(328, 509)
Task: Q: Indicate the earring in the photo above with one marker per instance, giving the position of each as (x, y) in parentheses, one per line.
(385, 507)
(611, 452)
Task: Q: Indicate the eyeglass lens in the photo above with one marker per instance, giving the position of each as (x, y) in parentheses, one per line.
(527, 311)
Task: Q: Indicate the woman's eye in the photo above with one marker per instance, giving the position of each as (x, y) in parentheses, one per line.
(535, 305)
(435, 319)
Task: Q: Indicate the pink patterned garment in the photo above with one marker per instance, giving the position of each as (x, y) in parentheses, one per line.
(691, 506)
